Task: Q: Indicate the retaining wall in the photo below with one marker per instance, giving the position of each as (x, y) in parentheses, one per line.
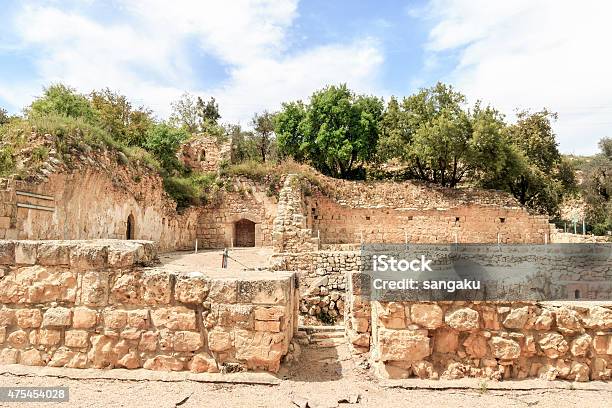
(98, 304)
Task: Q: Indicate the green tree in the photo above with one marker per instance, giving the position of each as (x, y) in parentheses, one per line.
(263, 125)
(336, 133)
(243, 145)
(163, 141)
(63, 100)
(208, 112)
(439, 139)
(597, 189)
(4, 116)
(117, 116)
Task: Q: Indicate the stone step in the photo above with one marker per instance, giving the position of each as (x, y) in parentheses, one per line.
(319, 329)
(329, 342)
(327, 335)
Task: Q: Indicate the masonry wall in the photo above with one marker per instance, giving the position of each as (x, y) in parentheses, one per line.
(96, 304)
(246, 201)
(94, 202)
(204, 153)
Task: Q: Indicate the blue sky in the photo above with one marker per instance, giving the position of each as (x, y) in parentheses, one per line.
(254, 54)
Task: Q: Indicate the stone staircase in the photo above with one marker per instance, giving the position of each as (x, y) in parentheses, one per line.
(324, 336)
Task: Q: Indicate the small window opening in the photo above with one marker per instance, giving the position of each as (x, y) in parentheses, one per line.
(502, 220)
(577, 294)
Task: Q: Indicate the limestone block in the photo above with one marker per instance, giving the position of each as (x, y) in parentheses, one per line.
(269, 326)
(31, 358)
(219, 340)
(427, 315)
(234, 315)
(89, 257)
(599, 318)
(174, 318)
(7, 316)
(138, 319)
(94, 288)
(18, 339)
(265, 291)
(424, 369)
(129, 361)
(403, 345)
(187, 341)
(76, 338)
(203, 363)
(446, 340)
(476, 345)
(464, 319)
(191, 288)
(103, 353)
(157, 287)
(164, 363)
(25, 252)
(57, 316)
(269, 313)
(2, 334)
(128, 289)
(53, 254)
(259, 349)
(517, 318)
(148, 341)
(568, 321)
(581, 345)
(603, 344)
(28, 318)
(47, 337)
(544, 321)
(360, 324)
(505, 349)
(9, 356)
(553, 345)
(84, 318)
(7, 253)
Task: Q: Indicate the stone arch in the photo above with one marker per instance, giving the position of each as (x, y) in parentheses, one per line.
(130, 227)
(202, 156)
(244, 233)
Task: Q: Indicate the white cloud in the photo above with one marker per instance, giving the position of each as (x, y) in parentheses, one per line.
(147, 54)
(533, 54)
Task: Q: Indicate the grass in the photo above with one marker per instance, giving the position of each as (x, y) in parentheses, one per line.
(193, 189)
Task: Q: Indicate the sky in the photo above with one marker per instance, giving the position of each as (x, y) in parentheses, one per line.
(252, 55)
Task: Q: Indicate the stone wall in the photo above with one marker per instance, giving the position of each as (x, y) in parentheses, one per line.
(94, 200)
(246, 201)
(97, 304)
(204, 153)
(492, 340)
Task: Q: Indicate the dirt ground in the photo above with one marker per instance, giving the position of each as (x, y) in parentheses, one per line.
(208, 261)
(324, 377)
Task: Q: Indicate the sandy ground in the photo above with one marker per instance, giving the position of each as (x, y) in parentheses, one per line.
(324, 377)
(208, 261)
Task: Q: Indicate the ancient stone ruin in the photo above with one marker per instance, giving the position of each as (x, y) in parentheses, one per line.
(83, 283)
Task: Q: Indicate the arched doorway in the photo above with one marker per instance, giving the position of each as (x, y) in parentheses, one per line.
(244, 233)
(129, 231)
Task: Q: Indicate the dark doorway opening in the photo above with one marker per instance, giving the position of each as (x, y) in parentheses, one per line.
(129, 231)
(244, 233)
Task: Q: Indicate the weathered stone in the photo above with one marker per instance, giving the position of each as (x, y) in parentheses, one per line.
(268, 326)
(603, 344)
(517, 318)
(157, 287)
(505, 349)
(269, 313)
(174, 318)
(264, 291)
(25, 252)
(544, 321)
(28, 318)
(403, 345)
(57, 316)
(31, 358)
(18, 339)
(191, 288)
(114, 319)
(424, 369)
(568, 321)
(9, 356)
(223, 290)
(102, 353)
(203, 363)
(446, 340)
(259, 349)
(163, 363)
(7, 317)
(360, 324)
(360, 340)
(84, 318)
(580, 371)
(76, 338)
(129, 361)
(89, 257)
(393, 316)
(553, 345)
(7, 253)
(464, 319)
(427, 315)
(94, 288)
(148, 341)
(476, 345)
(581, 345)
(53, 254)
(599, 318)
(128, 289)
(234, 316)
(138, 319)
(48, 337)
(187, 341)
(219, 340)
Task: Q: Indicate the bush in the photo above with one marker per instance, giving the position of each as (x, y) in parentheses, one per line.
(7, 163)
(194, 189)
